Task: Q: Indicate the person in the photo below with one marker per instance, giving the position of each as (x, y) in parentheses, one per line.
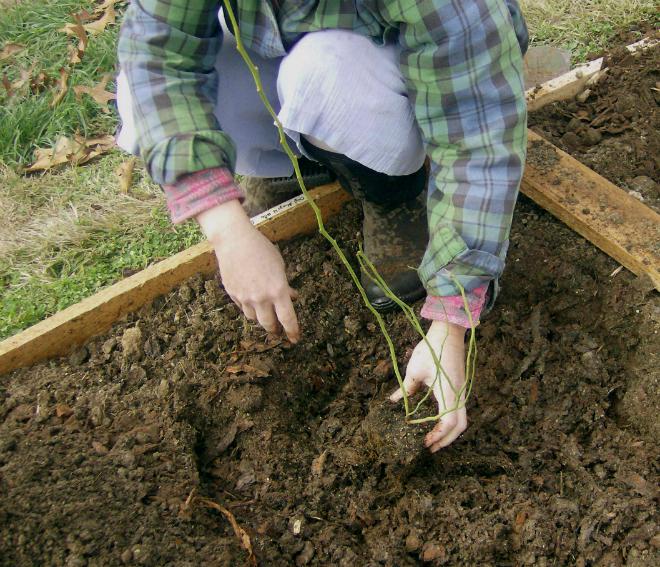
(417, 107)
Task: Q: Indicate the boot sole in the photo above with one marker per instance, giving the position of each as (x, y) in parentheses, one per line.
(390, 304)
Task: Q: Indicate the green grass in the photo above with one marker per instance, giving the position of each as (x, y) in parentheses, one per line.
(68, 233)
(75, 273)
(26, 120)
(586, 26)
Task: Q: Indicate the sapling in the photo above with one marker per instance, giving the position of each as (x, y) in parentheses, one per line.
(464, 392)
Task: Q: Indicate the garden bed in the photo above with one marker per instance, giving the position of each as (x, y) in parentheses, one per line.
(104, 455)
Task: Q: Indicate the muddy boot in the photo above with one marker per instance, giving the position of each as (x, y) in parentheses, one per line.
(263, 193)
(395, 229)
(395, 239)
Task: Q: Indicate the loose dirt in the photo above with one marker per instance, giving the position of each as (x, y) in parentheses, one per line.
(104, 456)
(614, 126)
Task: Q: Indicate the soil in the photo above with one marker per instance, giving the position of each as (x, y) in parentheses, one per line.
(614, 125)
(105, 455)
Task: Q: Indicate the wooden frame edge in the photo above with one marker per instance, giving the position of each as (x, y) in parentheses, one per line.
(58, 334)
(574, 81)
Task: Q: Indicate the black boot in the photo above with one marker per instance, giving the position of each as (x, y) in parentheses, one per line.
(263, 193)
(395, 228)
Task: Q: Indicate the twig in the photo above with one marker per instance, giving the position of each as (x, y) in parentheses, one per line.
(241, 534)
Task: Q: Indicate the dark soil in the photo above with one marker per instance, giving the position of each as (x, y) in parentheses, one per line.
(615, 130)
(103, 454)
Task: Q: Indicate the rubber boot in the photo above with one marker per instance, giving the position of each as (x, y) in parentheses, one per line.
(395, 229)
(262, 193)
(395, 239)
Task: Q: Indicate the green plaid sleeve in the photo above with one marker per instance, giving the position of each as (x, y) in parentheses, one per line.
(463, 67)
(168, 50)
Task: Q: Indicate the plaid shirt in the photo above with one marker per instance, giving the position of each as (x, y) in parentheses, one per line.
(462, 63)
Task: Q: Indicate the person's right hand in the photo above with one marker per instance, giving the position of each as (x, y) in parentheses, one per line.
(251, 269)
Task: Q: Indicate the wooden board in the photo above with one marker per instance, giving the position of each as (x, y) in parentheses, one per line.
(58, 334)
(620, 225)
(572, 83)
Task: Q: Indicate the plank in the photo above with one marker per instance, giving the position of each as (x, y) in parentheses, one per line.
(59, 334)
(574, 82)
(620, 225)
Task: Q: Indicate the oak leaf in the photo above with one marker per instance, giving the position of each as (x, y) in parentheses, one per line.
(125, 175)
(98, 93)
(108, 17)
(76, 151)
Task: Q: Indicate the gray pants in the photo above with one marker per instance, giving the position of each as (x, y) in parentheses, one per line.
(335, 87)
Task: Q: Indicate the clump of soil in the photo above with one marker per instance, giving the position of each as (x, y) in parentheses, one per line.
(103, 454)
(614, 126)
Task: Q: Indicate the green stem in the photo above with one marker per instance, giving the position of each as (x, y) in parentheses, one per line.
(364, 261)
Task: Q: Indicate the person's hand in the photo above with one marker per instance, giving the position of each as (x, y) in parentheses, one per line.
(251, 269)
(447, 342)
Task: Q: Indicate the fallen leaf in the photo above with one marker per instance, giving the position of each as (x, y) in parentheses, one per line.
(108, 17)
(521, 518)
(125, 174)
(62, 410)
(248, 369)
(61, 88)
(6, 83)
(75, 55)
(39, 82)
(10, 49)
(318, 463)
(98, 93)
(76, 151)
(77, 30)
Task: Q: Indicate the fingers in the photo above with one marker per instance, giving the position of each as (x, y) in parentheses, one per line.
(248, 311)
(267, 319)
(411, 383)
(447, 430)
(274, 316)
(287, 317)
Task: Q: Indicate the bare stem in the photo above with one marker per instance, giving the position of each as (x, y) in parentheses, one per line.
(364, 262)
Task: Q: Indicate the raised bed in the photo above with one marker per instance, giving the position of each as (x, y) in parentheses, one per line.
(104, 454)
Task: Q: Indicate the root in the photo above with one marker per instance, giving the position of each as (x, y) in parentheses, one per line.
(241, 534)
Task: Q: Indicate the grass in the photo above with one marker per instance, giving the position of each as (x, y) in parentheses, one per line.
(26, 120)
(67, 233)
(585, 26)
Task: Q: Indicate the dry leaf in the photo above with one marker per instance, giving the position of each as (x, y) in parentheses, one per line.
(253, 371)
(62, 410)
(39, 82)
(125, 174)
(77, 30)
(76, 151)
(98, 93)
(7, 84)
(108, 17)
(10, 49)
(240, 533)
(62, 87)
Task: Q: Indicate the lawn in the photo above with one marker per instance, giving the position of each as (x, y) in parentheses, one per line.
(68, 232)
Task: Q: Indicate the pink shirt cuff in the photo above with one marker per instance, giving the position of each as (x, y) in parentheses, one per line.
(200, 191)
(452, 308)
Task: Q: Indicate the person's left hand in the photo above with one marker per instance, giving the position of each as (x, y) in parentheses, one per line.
(447, 340)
